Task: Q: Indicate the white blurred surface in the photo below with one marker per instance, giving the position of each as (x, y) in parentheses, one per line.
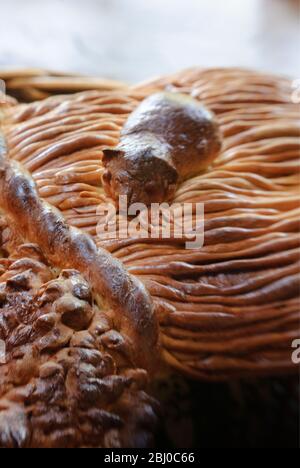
(133, 40)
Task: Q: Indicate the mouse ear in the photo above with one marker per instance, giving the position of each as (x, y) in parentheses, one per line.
(109, 154)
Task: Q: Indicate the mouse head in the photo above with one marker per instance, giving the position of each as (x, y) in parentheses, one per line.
(139, 173)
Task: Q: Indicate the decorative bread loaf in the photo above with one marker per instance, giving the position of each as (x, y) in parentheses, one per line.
(228, 310)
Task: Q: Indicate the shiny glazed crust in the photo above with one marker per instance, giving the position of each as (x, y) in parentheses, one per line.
(228, 310)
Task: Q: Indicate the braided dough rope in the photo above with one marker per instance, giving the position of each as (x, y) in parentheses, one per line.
(232, 308)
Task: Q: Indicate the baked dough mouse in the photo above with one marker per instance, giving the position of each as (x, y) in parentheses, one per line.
(168, 138)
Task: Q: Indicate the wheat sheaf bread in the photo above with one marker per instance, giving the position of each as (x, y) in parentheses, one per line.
(87, 321)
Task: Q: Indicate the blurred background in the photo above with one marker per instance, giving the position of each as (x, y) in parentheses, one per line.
(133, 40)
